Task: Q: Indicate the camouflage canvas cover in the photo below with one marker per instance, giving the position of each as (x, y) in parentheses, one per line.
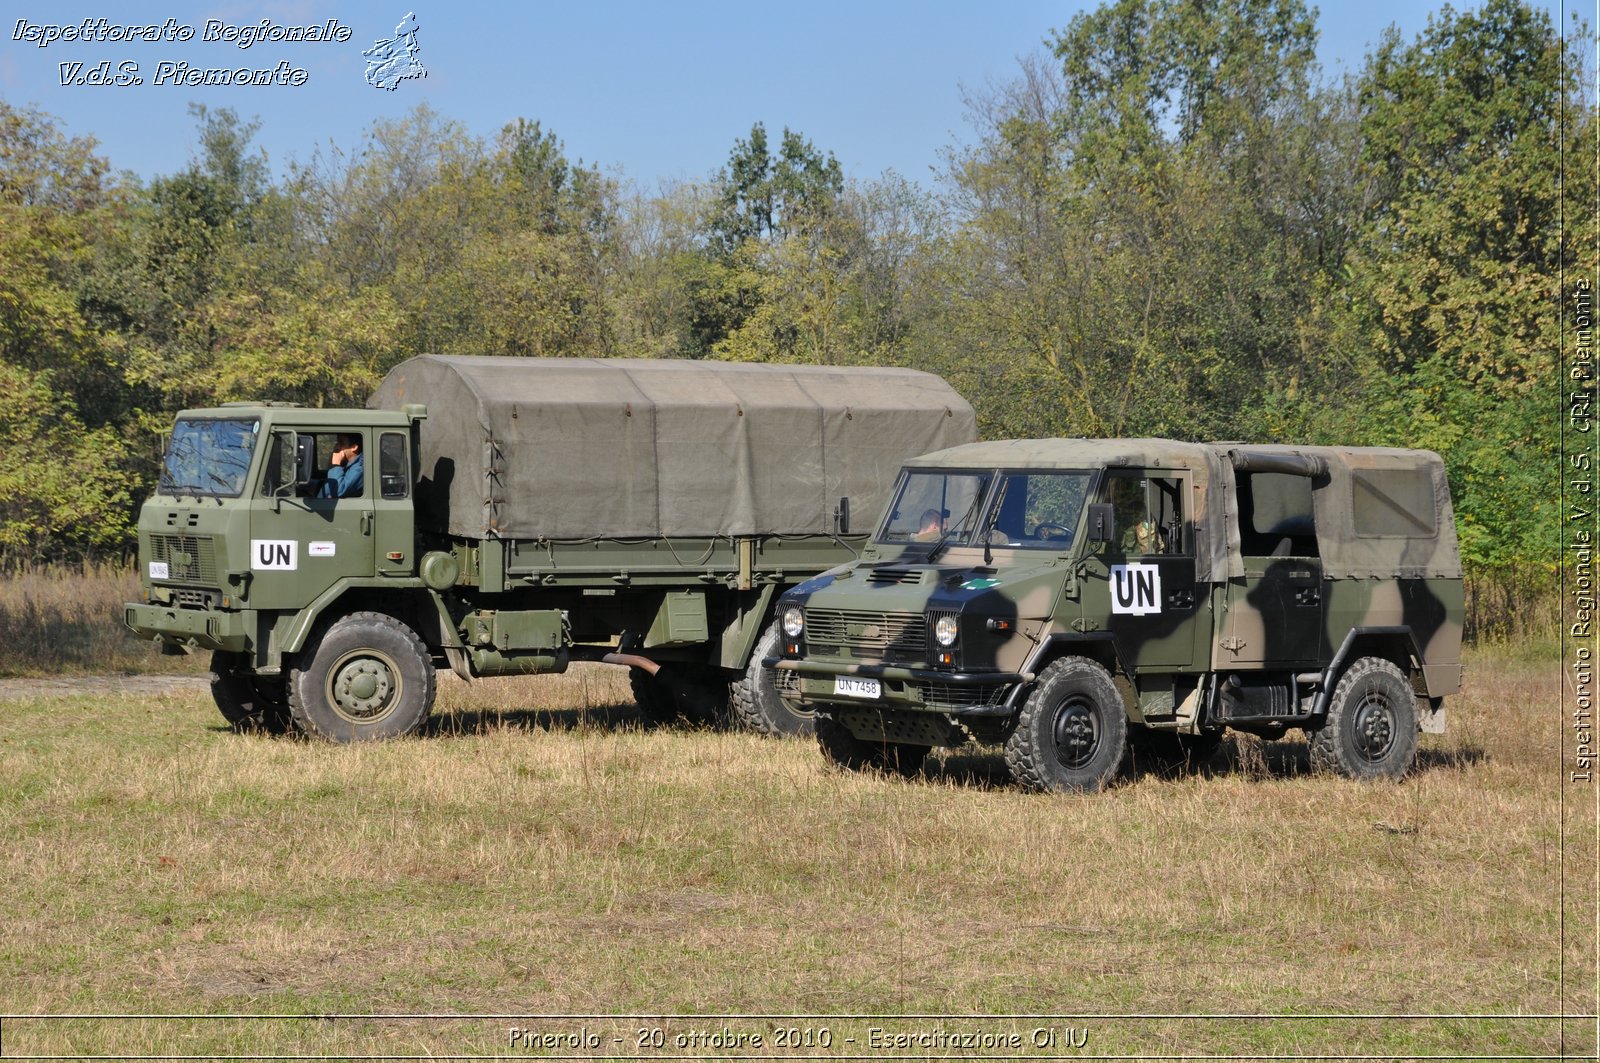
(576, 448)
(1381, 512)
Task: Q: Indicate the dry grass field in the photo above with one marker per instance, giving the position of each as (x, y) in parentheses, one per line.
(543, 852)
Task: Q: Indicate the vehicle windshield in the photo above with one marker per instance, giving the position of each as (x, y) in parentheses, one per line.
(1038, 510)
(931, 506)
(209, 457)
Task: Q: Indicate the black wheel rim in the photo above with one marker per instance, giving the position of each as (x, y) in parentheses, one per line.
(1374, 727)
(1076, 732)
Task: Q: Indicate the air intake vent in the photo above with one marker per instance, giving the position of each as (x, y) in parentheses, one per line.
(885, 574)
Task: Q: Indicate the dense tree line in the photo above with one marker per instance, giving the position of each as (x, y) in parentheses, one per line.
(1171, 224)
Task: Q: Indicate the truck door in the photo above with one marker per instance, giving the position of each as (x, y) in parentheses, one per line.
(302, 542)
(1141, 586)
(394, 539)
(1274, 614)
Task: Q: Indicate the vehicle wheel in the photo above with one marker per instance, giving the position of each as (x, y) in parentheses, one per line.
(756, 701)
(1371, 729)
(365, 677)
(1072, 731)
(250, 703)
(694, 693)
(843, 749)
(1169, 753)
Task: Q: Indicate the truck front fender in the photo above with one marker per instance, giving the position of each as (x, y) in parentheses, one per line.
(291, 637)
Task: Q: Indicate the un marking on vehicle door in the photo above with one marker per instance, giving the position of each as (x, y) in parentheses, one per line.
(273, 555)
(1136, 589)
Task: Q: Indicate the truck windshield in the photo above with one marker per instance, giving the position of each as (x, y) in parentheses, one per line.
(929, 506)
(209, 457)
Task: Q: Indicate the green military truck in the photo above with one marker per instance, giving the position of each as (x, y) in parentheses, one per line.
(1084, 600)
(517, 514)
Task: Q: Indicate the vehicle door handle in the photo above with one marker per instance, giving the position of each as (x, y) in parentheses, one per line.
(1307, 596)
(366, 523)
(1181, 599)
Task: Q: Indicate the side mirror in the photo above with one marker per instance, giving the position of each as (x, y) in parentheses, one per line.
(841, 516)
(1102, 522)
(305, 460)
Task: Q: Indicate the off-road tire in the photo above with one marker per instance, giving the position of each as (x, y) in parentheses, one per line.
(696, 694)
(1168, 753)
(842, 749)
(251, 704)
(363, 678)
(756, 702)
(1072, 732)
(1371, 730)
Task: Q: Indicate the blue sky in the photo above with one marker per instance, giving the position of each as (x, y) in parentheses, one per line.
(655, 91)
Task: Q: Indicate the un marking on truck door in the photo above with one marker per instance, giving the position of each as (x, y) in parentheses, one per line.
(1136, 589)
(270, 555)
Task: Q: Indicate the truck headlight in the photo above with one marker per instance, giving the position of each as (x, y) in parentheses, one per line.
(944, 630)
(794, 622)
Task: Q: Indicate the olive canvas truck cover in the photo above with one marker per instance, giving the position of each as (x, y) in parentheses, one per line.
(574, 448)
(1311, 587)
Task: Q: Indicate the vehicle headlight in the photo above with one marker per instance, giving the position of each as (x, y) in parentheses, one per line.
(794, 622)
(944, 630)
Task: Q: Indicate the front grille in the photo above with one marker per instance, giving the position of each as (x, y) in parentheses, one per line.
(189, 558)
(867, 634)
(948, 697)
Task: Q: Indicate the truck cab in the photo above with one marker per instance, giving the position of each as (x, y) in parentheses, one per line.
(246, 529)
(1084, 601)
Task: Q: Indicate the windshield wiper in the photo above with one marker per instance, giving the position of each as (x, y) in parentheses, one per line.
(994, 519)
(938, 547)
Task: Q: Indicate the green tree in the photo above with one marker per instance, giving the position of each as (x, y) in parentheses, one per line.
(767, 197)
(1142, 223)
(1451, 282)
(64, 458)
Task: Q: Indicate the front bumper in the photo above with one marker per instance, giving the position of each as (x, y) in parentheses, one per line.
(201, 628)
(915, 689)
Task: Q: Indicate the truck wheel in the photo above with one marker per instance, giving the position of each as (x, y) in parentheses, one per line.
(1072, 731)
(844, 750)
(1371, 729)
(681, 692)
(365, 677)
(248, 702)
(756, 701)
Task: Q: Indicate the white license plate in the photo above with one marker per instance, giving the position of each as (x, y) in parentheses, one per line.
(851, 687)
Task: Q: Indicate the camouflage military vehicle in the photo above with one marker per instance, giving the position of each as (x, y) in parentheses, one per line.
(1076, 599)
(517, 514)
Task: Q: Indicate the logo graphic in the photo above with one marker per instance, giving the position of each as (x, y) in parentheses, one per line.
(393, 61)
(1135, 589)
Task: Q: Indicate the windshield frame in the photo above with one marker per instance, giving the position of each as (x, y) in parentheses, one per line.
(226, 478)
(979, 506)
(991, 497)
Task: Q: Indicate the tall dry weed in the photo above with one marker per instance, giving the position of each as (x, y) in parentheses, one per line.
(69, 618)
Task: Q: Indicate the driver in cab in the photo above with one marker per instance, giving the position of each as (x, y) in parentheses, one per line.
(345, 473)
